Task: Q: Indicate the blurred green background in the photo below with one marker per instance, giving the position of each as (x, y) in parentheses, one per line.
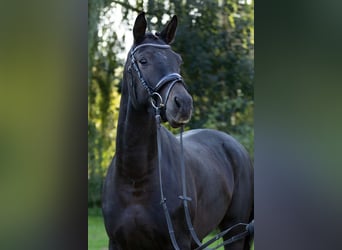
(43, 120)
(216, 42)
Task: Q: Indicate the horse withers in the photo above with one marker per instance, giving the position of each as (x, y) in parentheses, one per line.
(219, 173)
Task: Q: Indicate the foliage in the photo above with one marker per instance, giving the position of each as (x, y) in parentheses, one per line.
(216, 42)
(103, 102)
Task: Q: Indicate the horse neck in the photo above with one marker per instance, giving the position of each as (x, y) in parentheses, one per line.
(136, 146)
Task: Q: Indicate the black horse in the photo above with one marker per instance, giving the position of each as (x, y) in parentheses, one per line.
(219, 173)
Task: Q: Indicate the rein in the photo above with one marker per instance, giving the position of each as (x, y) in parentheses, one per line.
(158, 105)
(249, 228)
(162, 197)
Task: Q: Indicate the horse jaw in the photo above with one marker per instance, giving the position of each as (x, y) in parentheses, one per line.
(177, 123)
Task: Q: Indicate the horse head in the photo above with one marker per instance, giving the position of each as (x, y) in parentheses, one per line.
(153, 73)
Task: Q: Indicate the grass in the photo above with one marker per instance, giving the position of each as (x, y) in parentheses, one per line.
(97, 237)
(98, 240)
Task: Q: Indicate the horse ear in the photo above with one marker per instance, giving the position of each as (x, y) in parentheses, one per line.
(139, 28)
(168, 33)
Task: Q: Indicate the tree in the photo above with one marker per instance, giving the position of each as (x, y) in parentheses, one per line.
(103, 98)
(216, 42)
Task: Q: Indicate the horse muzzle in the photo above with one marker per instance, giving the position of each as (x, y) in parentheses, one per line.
(179, 106)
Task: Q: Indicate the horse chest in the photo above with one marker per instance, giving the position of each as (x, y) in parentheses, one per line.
(140, 227)
(137, 217)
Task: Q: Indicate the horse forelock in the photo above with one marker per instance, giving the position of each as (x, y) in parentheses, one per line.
(151, 38)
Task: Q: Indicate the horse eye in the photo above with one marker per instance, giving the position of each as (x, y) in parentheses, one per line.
(143, 61)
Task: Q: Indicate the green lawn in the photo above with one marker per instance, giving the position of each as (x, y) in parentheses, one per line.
(97, 237)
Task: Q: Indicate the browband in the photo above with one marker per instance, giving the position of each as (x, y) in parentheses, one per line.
(161, 46)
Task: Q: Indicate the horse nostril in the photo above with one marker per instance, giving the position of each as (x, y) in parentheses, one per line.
(177, 102)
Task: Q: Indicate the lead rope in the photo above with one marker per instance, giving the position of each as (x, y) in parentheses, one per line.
(162, 197)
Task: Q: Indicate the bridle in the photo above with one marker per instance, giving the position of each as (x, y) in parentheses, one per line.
(153, 92)
(159, 105)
